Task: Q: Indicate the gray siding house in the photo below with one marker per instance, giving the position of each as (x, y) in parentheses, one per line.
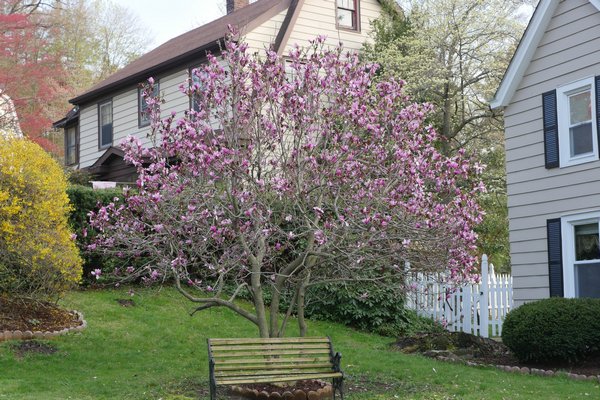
(112, 110)
(551, 100)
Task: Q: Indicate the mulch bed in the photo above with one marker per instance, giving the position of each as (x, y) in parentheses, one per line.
(31, 315)
(460, 346)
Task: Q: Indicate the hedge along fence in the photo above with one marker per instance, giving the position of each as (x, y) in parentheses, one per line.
(85, 199)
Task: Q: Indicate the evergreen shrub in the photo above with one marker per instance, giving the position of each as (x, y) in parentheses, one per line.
(84, 199)
(554, 330)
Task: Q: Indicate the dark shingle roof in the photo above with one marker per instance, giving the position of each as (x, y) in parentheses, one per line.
(184, 48)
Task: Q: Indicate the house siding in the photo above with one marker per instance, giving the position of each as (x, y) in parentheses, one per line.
(314, 17)
(568, 52)
(125, 115)
(261, 37)
(318, 17)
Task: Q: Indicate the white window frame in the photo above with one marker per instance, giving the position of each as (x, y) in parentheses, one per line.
(563, 116)
(568, 225)
(143, 116)
(355, 16)
(102, 145)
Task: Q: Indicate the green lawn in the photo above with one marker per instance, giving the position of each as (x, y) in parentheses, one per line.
(157, 351)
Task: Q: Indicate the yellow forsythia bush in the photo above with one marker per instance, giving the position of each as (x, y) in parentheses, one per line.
(38, 256)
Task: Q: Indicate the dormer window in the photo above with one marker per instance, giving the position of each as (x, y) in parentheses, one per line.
(347, 14)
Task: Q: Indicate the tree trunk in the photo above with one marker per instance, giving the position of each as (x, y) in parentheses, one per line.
(300, 304)
(259, 303)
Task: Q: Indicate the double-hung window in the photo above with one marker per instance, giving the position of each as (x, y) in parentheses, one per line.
(581, 255)
(347, 12)
(105, 124)
(197, 86)
(578, 139)
(143, 111)
(570, 117)
(71, 145)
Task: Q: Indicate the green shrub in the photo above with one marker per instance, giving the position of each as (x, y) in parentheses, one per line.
(381, 311)
(366, 306)
(85, 199)
(554, 330)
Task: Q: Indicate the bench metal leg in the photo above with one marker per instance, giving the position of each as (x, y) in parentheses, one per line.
(213, 392)
(338, 385)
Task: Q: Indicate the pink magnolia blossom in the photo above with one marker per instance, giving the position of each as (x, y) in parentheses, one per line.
(326, 174)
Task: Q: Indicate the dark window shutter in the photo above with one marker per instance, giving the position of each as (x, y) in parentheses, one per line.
(597, 90)
(555, 265)
(550, 129)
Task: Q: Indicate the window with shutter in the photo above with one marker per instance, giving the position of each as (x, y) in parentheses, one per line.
(581, 255)
(570, 124)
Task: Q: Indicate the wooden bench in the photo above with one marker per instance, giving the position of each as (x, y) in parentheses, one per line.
(244, 361)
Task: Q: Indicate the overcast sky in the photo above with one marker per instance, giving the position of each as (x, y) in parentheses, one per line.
(170, 18)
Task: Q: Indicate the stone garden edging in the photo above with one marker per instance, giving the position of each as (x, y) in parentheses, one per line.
(246, 393)
(524, 370)
(28, 335)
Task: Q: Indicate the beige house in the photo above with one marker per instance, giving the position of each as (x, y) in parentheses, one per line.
(112, 110)
(9, 121)
(551, 100)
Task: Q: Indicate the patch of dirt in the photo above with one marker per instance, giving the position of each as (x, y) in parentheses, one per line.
(461, 346)
(32, 347)
(29, 315)
(126, 302)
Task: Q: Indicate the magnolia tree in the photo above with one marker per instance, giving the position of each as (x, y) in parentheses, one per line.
(289, 174)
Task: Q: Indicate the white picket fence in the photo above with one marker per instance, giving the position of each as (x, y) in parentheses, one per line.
(459, 309)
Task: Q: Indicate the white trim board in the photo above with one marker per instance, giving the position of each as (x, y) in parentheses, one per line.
(524, 53)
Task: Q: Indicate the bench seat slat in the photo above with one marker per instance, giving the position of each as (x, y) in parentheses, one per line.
(269, 372)
(270, 353)
(269, 379)
(272, 360)
(254, 367)
(216, 342)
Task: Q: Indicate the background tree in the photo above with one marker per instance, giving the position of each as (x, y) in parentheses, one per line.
(118, 36)
(52, 50)
(453, 53)
(31, 76)
(281, 180)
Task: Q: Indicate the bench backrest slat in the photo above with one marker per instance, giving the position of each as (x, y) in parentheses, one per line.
(275, 357)
(254, 367)
(270, 353)
(272, 360)
(217, 342)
